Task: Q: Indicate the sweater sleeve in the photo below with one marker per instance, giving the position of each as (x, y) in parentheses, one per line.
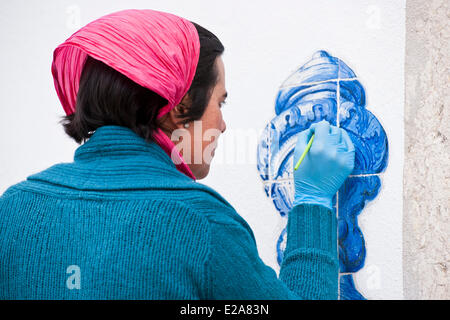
(309, 269)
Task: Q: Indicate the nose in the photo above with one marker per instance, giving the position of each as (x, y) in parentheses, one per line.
(224, 126)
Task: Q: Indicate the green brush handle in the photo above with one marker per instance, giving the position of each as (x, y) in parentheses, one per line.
(304, 152)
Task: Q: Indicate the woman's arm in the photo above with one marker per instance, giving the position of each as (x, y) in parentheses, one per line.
(310, 265)
(309, 269)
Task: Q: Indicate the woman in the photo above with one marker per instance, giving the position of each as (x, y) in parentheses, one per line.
(126, 219)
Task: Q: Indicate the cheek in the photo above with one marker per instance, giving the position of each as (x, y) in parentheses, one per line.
(210, 123)
(211, 133)
(213, 122)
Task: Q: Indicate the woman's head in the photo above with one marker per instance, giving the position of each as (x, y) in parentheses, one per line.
(200, 108)
(107, 97)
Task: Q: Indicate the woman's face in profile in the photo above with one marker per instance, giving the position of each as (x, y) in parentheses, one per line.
(199, 140)
(211, 125)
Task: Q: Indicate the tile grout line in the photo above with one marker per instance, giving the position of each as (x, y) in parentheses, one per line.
(269, 170)
(339, 287)
(337, 237)
(269, 158)
(317, 82)
(365, 175)
(271, 181)
(338, 98)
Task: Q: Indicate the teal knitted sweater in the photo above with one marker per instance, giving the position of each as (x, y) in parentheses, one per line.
(121, 222)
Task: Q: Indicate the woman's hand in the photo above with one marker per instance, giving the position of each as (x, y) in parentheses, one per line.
(326, 165)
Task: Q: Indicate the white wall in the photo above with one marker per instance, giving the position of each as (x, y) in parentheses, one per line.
(265, 41)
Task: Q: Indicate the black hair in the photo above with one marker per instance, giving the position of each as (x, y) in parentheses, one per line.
(107, 97)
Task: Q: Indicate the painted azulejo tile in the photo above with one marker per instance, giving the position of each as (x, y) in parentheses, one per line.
(325, 88)
(347, 290)
(353, 195)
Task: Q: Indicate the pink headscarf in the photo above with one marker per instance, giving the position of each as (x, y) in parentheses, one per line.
(157, 50)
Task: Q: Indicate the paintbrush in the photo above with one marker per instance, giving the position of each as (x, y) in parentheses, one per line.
(305, 152)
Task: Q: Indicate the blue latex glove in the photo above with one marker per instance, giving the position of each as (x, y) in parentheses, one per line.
(325, 167)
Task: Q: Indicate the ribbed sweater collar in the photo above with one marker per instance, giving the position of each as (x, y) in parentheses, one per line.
(116, 158)
(115, 142)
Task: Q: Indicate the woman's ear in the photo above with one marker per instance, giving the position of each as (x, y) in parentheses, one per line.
(173, 117)
(172, 120)
(178, 112)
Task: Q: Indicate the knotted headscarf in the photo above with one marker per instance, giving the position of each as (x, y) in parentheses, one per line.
(157, 50)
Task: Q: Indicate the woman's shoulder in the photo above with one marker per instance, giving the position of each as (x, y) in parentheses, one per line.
(213, 206)
(10, 191)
